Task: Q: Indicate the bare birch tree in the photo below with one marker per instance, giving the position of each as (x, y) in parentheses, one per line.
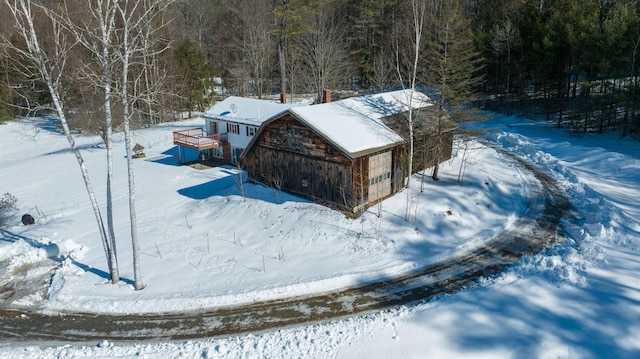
(125, 56)
(408, 58)
(94, 30)
(136, 33)
(50, 66)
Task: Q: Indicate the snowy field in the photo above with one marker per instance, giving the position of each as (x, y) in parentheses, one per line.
(205, 243)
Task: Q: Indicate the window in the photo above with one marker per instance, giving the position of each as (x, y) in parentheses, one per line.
(251, 130)
(233, 128)
(379, 178)
(213, 127)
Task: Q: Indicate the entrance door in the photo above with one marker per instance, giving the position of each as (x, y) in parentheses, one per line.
(217, 152)
(235, 154)
(379, 176)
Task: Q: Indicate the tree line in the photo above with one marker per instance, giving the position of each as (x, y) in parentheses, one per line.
(572, 61)
(116, 65)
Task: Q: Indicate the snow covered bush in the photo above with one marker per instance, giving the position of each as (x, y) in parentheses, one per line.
(7, 206)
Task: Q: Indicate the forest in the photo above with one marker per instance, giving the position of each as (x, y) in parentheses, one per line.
(571, 62)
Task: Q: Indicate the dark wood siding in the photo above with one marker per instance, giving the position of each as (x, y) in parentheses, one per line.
(427, 145)
(429, 148)
(288, 134)
(399, 172)
(312, 178)
(289, 156)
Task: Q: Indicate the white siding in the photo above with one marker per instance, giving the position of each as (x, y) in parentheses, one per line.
(239, 140)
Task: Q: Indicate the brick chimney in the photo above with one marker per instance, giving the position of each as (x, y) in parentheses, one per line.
(326, 96)
(283, 98)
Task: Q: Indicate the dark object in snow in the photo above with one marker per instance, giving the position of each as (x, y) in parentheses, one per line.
(28, 219)
(138, 151)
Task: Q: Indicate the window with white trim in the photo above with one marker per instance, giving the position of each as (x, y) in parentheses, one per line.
(233, 128)
(251, 130)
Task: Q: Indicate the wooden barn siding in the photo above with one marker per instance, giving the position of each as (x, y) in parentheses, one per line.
(289, 134)
(425, 150)
(286, 152)
(424, 142)
(289, 152)
(398, 173)
(360, 170)
(326, 181)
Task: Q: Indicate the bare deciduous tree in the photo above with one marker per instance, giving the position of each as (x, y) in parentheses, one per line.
(120, 38)
(255, 41)
(50, 64)
(507, 37)
(407, 62)
(275, 179)
(95, 31)
(324, 52)
(382, 72)
(136, 31)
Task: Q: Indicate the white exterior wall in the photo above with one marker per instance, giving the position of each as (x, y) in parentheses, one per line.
(238, 140)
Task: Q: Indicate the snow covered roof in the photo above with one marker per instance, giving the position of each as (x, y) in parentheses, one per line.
(244, 110)
(354, 124)
(386, 104)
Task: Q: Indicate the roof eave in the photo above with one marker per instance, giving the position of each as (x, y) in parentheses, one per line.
(369, 151)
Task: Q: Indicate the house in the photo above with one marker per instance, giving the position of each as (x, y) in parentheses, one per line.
(341, 153)
(229, 127)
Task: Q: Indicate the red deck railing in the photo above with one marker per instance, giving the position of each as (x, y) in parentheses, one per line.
(196, 138)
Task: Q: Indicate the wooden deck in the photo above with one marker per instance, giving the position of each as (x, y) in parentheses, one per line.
(196, 138)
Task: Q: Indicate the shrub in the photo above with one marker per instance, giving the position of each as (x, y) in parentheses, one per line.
(7, 206)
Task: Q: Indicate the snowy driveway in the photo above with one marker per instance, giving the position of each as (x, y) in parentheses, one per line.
(530, 234)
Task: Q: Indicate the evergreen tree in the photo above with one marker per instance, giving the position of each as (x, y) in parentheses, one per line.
(193, 75)
(6, 101)
(368, 28)
(452, 68)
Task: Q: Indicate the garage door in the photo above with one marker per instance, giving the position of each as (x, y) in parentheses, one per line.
(379, 176)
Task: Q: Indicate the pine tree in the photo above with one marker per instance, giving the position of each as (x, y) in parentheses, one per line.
(192, 72)
(452, 68)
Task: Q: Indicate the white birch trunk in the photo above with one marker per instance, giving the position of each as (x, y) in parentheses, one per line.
(418, 13)
(106, 23)
(98, 41)
(21, 11)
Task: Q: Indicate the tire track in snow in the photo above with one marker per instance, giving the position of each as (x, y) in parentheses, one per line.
(530, 233)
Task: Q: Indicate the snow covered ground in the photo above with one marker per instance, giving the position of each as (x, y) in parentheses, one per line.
(205, 244)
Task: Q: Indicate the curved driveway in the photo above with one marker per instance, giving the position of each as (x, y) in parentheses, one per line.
(530, 234)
